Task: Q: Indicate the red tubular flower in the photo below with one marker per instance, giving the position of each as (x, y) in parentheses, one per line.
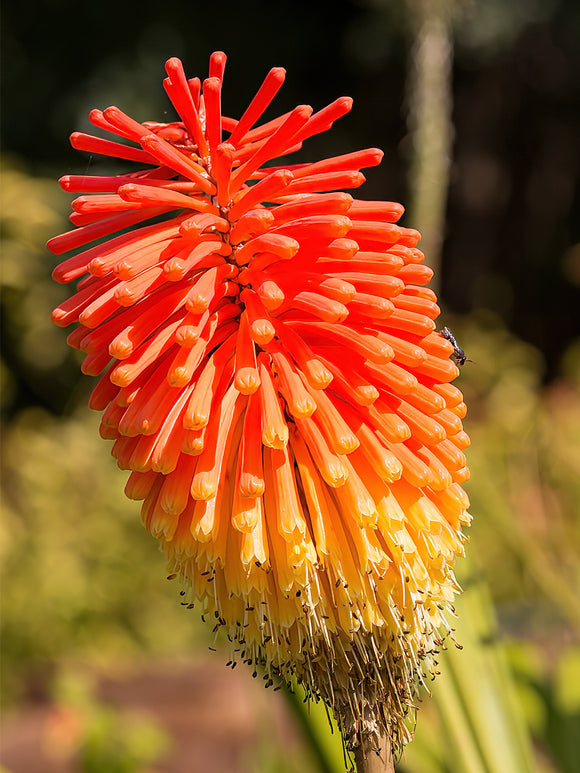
(273, 379)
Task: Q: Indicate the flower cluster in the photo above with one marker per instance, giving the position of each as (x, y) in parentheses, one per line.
(273, 379)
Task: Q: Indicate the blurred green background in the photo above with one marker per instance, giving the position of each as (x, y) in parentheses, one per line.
(476, 105)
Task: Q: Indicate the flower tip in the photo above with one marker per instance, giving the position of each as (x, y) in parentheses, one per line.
(59, 275)
(303, 112)
(58, 316)
(203, 487)
(251, 486)
(347, 443)
(375, 158)
(173, 66)
(195, 420)
(225, 150)
(244, 521)
(319, 376)
(151, 141)
(65, 182)
(120, 349)
(247, 381)
(121, 376)
(111, 114)
(179, 377)
(213, 83)
(217, 65)
(129, 192)
(343, 225)
(275, 436)
(303, 407)
(344, 249)
(366, 394)
(278, 75)
(271, 295)
(335, 473)
(262, 331)
(125, 296)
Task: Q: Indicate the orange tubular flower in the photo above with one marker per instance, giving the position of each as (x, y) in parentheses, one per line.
(273, 379)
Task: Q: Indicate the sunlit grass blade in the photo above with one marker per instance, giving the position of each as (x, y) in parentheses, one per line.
(476, 695)
(323, 740)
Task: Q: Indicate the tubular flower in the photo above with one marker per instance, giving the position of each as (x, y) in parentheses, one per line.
(273, 379)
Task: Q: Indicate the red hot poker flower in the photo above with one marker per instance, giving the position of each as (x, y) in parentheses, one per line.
(272, 378)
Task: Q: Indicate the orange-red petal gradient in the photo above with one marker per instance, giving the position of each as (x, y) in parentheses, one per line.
(273, 379)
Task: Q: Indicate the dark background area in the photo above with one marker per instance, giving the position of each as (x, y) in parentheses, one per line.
(513, 211)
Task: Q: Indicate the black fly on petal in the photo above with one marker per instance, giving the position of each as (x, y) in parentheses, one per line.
(458, 354)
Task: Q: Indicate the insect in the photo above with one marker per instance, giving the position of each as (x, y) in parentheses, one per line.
(458, 354)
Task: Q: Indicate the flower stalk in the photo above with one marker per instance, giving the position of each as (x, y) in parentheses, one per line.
(369, 760)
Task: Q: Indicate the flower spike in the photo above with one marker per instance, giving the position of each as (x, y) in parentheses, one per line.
(273, 380)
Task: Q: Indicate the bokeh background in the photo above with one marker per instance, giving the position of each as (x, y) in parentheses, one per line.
(477, 106)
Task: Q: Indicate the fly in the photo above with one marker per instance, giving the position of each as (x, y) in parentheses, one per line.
(458, 354)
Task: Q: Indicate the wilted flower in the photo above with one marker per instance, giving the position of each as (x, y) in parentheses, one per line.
(274, 381)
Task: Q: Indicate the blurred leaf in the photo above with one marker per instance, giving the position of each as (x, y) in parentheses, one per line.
(474, 722)
(562, 726)
(35, 359)
(320, 733)
(80, 574)
(479, 677)
(526, 665)
(567, 687)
